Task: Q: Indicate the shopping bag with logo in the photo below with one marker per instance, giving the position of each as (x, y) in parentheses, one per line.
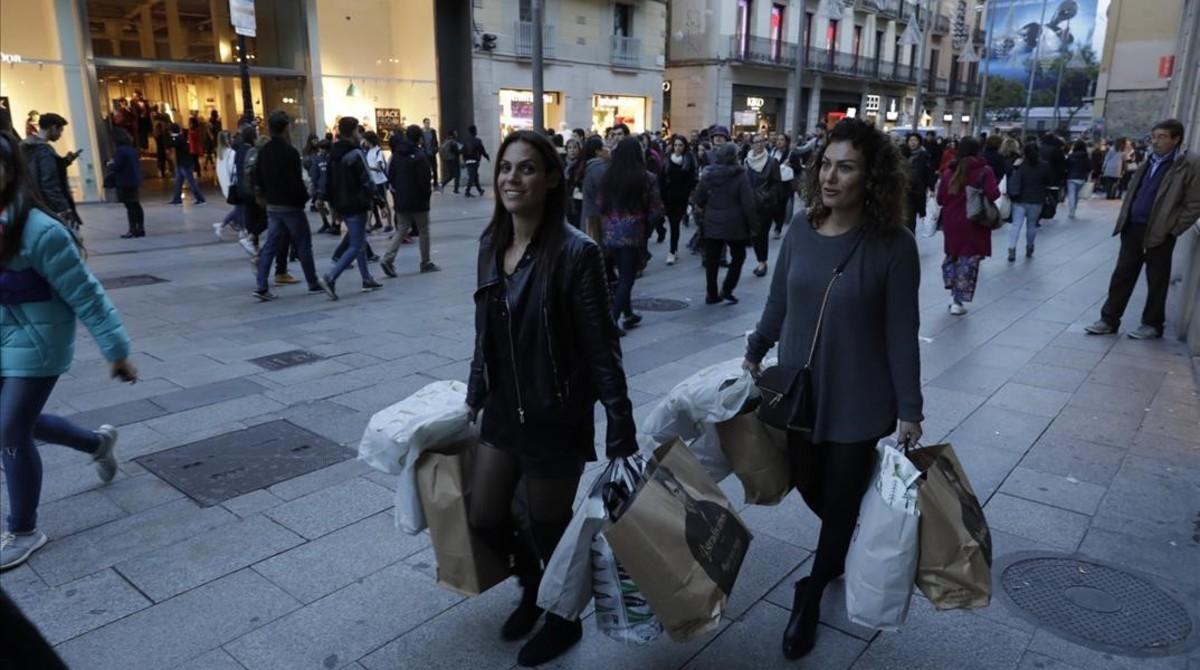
(583, 565)
(465, 563)
(681, 541)
(758, 455)
(955, 566)
(882, 562)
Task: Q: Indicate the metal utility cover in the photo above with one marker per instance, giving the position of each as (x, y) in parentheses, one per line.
(658, 304)
(286, 359)
(1097, 605)
(218, 468)
(130, 280)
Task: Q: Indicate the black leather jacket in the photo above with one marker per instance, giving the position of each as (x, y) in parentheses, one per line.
(48, 171)
(574, 358)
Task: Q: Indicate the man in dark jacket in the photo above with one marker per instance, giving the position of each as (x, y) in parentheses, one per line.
(727, 207)
(472, 152)
(185, 167)
(1054, 154)
(48, 170)
(409, 177)
(350, 196)
(277, 174)
(429, 146)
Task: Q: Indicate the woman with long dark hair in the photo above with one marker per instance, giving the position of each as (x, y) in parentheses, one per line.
(546, 350)
(763, 171)
(127, 175)
(45, 287)
(576, 168)
(966, 243)
(866, 362)
(727, 210)
(679, 178)
(628, 198)
(921, 178)
(1027, 186)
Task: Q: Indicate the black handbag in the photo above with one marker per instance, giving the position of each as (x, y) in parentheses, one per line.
(788, 396)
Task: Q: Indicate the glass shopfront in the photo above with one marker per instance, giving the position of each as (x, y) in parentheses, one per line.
(609, 110)
(757, 110)
(516, 110)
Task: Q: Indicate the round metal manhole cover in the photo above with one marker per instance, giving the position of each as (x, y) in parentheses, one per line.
(1098, 605)
(658, 304)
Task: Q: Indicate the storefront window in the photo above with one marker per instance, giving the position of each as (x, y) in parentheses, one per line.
(609, 110)
(376, 58)
(516, 110)
(757, 110)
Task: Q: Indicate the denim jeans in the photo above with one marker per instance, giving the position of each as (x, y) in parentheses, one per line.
(473, 177)
(182, 173)
(233, 218)
(1073, 186)
(1027, 214)
(356, 249)
(22, 422)
(283, 226)
(626, 260)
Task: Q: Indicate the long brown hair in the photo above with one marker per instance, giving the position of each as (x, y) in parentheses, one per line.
(552, 231)
(967, 148)
(886, 189)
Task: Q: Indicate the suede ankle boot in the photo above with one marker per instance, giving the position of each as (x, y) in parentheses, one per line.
(555, 638)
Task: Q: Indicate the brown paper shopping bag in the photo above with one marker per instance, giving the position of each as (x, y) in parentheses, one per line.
(955, 566)
(682, 542)
(465, 564)
(759, 457)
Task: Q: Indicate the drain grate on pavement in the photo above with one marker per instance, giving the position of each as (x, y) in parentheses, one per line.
(130, 280)
(1097, 605)
(218, 468)
(286, 359)
(658, 304)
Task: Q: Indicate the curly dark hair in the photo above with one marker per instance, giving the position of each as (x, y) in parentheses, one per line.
(886, 204)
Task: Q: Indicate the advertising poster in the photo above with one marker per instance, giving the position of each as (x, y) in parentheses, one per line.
(1072, 29)
(387, 121)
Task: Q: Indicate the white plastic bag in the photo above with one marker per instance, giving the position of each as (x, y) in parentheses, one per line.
(1004, 203)
(584, 566)
(435, 416)
(927, 226)
(881, 566)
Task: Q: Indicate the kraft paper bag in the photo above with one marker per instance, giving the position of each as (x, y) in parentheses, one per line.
(465, 564)
(759, 456)
(955, 566)
(682, 543)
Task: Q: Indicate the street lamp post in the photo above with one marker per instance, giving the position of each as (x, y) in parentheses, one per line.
(539, 109)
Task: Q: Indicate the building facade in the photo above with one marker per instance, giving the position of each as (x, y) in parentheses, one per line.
(1138, 65)
(735, 63)
(603, 65)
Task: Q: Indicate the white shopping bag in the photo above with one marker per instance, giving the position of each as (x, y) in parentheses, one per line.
(881, 566)
(622, 612)
(1004, 203)
(927, 226)
(396, 436)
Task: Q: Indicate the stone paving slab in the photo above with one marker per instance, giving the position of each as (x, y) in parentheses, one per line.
(1074, 443)
(77, 607)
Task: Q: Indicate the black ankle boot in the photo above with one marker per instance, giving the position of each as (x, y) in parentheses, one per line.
(555, 638)
(521, 622)
(801, 633)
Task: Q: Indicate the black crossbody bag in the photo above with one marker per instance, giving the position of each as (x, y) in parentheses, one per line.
(788, 396)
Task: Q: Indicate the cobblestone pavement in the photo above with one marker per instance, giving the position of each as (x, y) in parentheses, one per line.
(1076, 444)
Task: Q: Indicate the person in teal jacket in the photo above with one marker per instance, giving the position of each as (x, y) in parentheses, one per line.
(44, 287)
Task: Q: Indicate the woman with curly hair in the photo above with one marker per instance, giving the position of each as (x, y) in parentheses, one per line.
(851, 252)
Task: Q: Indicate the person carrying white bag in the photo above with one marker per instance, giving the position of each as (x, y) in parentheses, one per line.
(881, 566)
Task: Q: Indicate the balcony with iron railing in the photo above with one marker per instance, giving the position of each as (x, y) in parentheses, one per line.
(872, 6)
(941, 24)
(762, 51)
(937, 84)
(890, 8)
(523, 39)
(626, 51)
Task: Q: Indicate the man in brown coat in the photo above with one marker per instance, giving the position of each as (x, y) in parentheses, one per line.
(1163, 201)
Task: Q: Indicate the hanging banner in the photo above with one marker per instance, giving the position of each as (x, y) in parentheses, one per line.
(1073, 29)
(241, 15)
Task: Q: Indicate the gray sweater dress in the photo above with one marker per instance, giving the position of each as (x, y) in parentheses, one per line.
(867, 367)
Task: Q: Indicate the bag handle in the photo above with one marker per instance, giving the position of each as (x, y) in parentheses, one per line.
(837, 272)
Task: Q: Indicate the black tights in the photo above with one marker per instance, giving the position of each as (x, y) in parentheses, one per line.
(832, 479)
(548, 501)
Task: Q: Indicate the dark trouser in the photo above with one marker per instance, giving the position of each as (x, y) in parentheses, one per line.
(1129, 267)
(185, 173)
(356, 248)
(433, 169)
(22, 422)
(626, 261)
(473, 177)
(832, 479)
(762, 240)
(675, 215)
(283, 251)
(134, 214)
(713, 250)
(282, 226)
(450, 173)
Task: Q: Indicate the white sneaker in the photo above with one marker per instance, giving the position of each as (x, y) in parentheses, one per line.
(670, 259)
(957, 309)
(106, 464)
(16, 548)
(217, 229)
(248, 245)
